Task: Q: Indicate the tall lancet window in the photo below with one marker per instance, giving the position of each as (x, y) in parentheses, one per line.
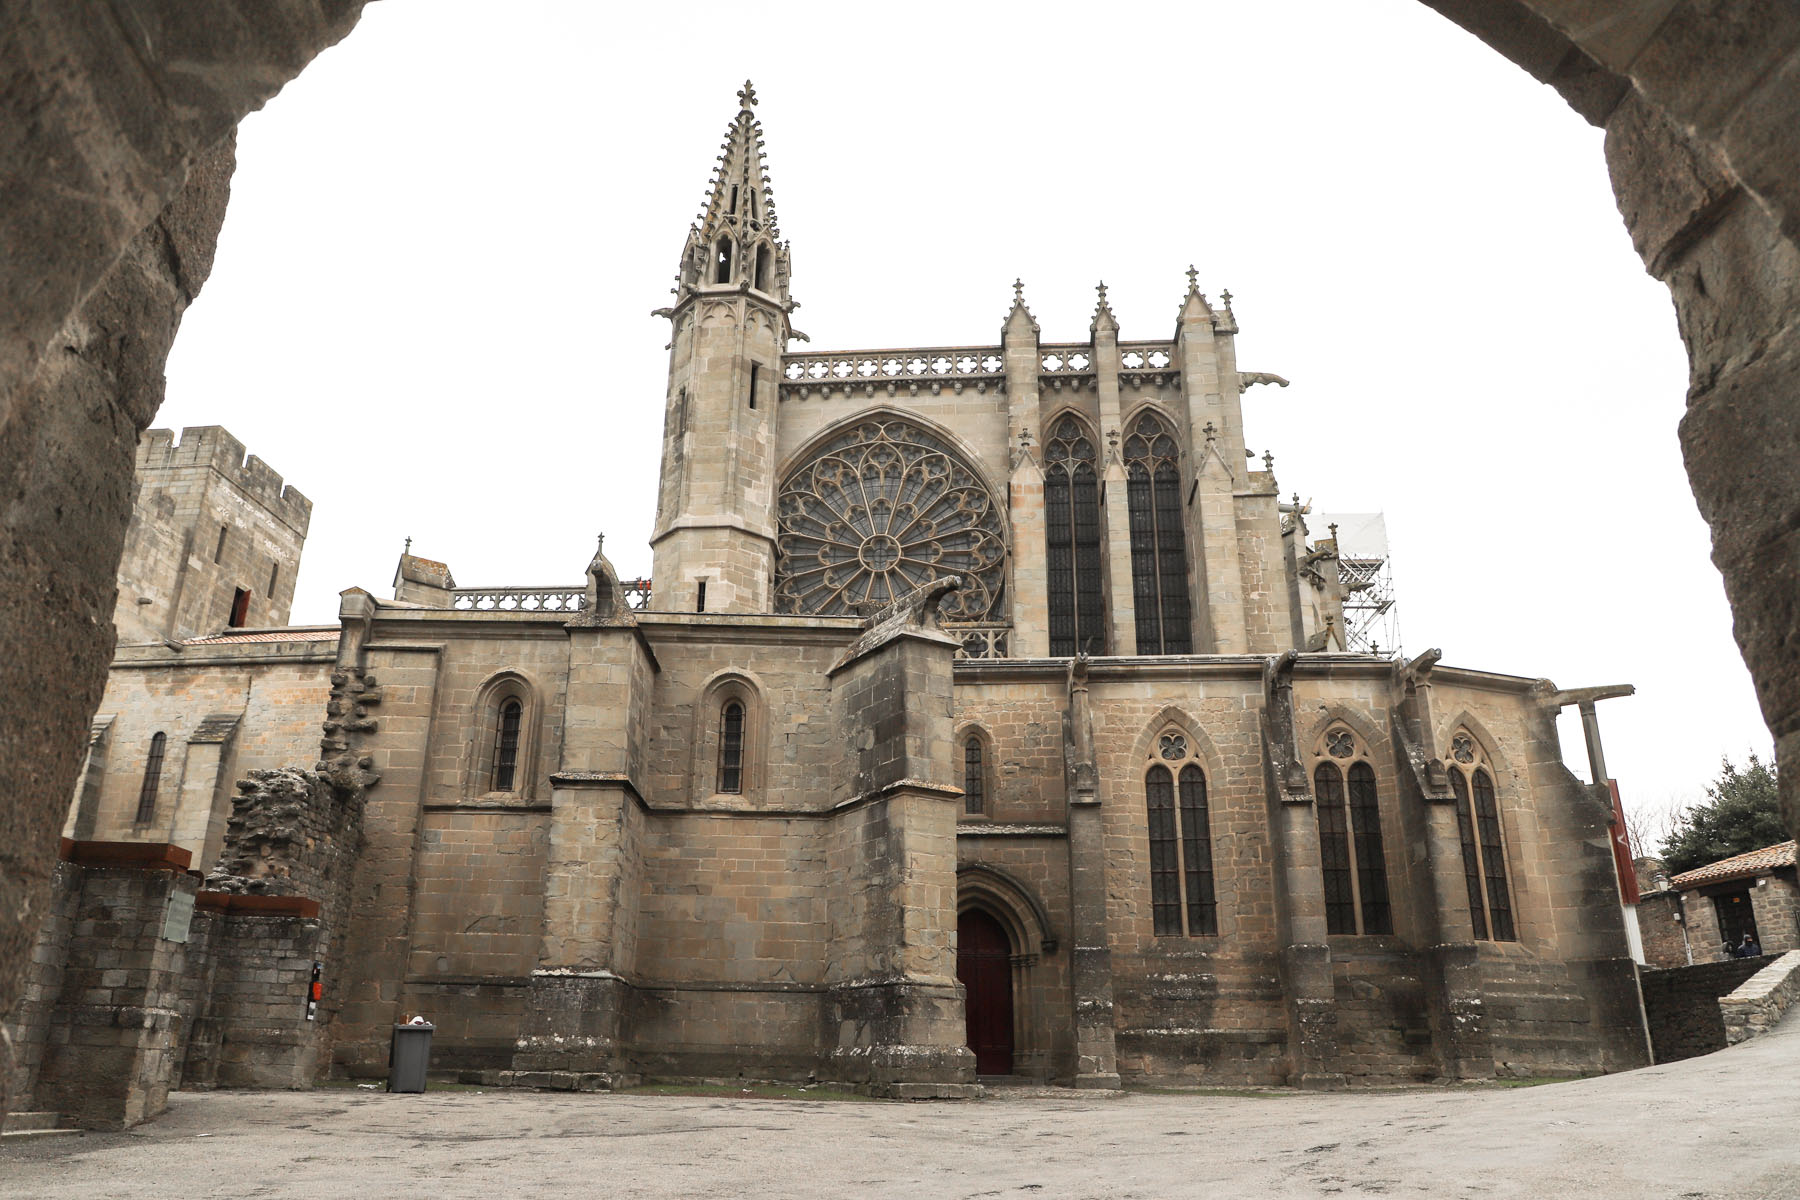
(1483, 846)
(1350, 849)
(1159, 576)
(1072, 530)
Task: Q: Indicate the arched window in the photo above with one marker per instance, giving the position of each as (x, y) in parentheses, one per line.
(765, 268)
(974, 782)
(879, 509)
(1350, 850)
(1483, 847)
(1182, 898)
(731, 747)
(1159, 575)
(1072, 534)
(722, 260)
(506, 745)
(146, 809)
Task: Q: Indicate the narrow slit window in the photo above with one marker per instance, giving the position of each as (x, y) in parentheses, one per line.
(1165, 864)
(764, 272)
(146, 809)
(219, 550)
(700, 597)
(754, 369)
(274, 578)
(974, 798)
(731, 748)
(1196, 855)
(506, 745)
(240, 608)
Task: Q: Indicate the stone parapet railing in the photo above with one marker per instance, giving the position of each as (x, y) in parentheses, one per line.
(540, 599)
(980, 639)
(1757, 1003)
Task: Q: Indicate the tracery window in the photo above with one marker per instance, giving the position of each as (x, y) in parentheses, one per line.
(1483, 846)
(1159, 574)
(146, 809)
(1182, 899)
(731, 748)
(1072, 534)
(878, 510)
(1350, 850)
(506, 745)
(974, 781)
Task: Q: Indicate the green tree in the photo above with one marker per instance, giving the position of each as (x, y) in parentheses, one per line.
(1742, 812)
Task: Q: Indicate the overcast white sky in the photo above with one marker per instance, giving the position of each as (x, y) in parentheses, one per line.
(430, 309)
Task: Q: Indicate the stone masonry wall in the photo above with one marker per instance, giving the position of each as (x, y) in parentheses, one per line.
(1682, 1005)
(177, 576)
(28, 1025)
(278, 695)
(1754, 1006)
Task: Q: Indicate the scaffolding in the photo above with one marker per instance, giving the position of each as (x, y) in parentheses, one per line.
(1371, 622)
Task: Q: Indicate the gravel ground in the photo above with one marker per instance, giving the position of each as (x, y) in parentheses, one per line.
(1724, 1126)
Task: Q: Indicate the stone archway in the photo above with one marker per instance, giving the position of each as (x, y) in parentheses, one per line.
(118, 164)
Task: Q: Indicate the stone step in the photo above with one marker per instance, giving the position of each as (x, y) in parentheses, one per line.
(29, 1122)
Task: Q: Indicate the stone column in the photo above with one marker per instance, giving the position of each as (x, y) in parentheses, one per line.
(1025, 503)
(1452, 970)
(1121, 599)
(893, 1016)
(1306, 973)
(1096, 1059)
(575, 1035)
(1216, 451)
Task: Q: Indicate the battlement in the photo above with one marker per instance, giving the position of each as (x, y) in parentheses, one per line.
(213, 446)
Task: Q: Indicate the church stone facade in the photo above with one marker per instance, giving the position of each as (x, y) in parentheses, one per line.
(988, 713)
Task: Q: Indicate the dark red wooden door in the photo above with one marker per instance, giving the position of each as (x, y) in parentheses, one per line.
(984, 966)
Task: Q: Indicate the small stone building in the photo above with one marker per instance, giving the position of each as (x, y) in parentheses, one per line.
(1694, 917)
(988, 713)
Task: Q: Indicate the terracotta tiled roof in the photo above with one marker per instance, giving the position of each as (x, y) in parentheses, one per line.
(1738, 866)
(298, 633)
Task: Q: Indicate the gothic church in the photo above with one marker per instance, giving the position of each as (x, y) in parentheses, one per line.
(987, 714)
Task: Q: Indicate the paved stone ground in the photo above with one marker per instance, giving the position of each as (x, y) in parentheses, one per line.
(1724, 1126)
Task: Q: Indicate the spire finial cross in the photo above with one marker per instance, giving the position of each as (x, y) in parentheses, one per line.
(1193, 277)
(1018, 291)
(408, 549)
(1102, 290)
(747, 96)
(1226, 297)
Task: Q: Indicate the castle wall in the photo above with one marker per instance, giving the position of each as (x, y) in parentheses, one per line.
(177, 579)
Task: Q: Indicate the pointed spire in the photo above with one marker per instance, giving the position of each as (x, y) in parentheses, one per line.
(1019, 317)
(1194, 304)
(1104, 321)
(736, 240)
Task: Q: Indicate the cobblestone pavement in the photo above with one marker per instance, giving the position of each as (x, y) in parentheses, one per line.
(1724, 1126)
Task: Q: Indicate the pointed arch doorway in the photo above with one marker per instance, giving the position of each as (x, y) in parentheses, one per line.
(984, 966)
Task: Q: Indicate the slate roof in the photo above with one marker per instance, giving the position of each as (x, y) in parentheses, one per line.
(1738, 866)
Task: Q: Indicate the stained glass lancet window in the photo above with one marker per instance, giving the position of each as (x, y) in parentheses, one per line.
(879, 509)
(1159, 576)
(1483, 844)
(1072, 536)
(1350, 850)
(1182, 897)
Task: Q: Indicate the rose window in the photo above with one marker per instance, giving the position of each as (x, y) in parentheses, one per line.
(881, 509)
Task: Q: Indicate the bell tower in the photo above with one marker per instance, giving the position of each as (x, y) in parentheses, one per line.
(714, 542)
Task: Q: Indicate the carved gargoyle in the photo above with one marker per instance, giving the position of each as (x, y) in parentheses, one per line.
(1249, 379)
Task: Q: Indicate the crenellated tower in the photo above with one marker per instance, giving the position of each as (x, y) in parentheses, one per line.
(714, 541)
